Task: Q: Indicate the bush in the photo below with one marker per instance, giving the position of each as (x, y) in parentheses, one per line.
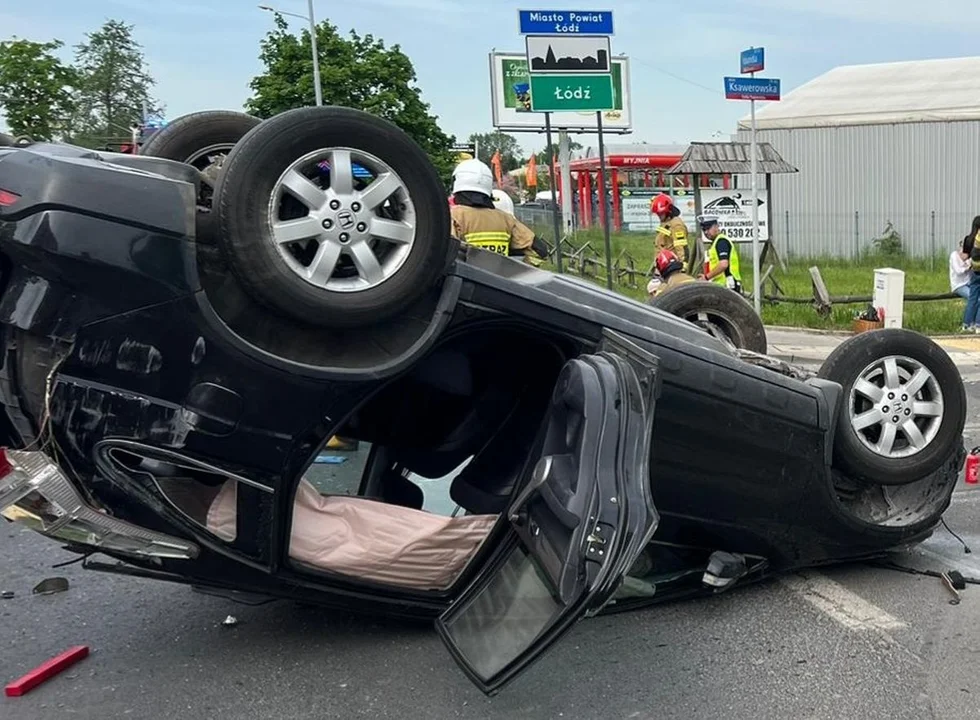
(889, 243)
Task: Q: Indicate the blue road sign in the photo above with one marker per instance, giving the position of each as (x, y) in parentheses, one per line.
(751, 88)
(753, 60)
(566, 22)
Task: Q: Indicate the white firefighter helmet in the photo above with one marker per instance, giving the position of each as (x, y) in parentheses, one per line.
(474, 176)
(502, 201)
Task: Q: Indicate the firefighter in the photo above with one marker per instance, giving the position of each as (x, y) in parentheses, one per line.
(722, 262)
(672, 233)
(478, 222)
(671, 272)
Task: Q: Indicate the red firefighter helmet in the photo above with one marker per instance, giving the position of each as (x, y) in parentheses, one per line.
(665, 258)
(661, 204)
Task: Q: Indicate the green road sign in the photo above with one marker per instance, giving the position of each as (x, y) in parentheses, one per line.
(558, 93)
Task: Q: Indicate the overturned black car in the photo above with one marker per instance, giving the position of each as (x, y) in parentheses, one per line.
(186, 333)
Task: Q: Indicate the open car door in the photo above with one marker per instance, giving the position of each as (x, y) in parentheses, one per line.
(582, 515)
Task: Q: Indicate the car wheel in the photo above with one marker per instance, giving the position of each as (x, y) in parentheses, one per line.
(333, 216)
(904, 406)
(203, 140)
(718, 310)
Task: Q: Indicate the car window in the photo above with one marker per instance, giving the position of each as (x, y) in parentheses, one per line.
(339, 467)
(436, 490)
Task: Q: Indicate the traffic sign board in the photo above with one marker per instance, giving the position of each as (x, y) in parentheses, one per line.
(753, 60)
(566, 22)
(580, 93)
(466, 148)
(570, 55)
(752, 88)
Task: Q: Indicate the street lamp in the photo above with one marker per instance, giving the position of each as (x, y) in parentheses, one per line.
(316, 58)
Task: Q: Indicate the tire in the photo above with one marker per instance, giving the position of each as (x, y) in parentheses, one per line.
(718, 309)
(201, 139)
(189, 135)
(862, 361)
(366, 278)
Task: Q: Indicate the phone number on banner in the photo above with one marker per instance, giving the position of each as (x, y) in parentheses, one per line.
(739, 230)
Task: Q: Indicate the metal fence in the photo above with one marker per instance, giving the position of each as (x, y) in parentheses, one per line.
(923, 234)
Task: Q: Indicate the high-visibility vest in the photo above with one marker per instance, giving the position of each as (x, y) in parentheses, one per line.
(732, 262)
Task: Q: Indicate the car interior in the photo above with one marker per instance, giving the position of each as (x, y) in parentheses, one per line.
(422, 471)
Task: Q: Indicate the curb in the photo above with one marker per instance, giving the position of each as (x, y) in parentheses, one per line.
(847, 334)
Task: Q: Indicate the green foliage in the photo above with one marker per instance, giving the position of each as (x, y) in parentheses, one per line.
(114, 86)
(35, 88)
(889, 243)
(511, 156)
(356, 71)
(544, 157)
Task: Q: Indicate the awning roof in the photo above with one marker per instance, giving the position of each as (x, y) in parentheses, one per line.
(732, 158)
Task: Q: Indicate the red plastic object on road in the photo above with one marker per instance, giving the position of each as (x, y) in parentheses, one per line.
(46, 671)
(972, 466)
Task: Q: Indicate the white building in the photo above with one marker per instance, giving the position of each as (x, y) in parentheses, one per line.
(896, 142)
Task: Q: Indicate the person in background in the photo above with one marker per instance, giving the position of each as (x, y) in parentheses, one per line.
(722, 267)
(672, 233)
(971, 247)
(477, 221)
(671, 272)
(960, 271)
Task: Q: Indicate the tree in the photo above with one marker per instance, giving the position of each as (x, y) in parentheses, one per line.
(511, 155)
(114, 86)
(544, 157)
(356, 71)
(35, 88)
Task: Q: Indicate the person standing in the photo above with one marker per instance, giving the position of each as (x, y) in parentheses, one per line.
(722, 267)
(971, 247)
(477, 221)
(672, 233)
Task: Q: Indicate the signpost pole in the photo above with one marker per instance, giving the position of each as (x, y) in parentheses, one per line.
(756, 298)
(554, 192)
(605, 207)
(565, 158)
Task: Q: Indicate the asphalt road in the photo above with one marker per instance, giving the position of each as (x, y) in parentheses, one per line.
(850, 642)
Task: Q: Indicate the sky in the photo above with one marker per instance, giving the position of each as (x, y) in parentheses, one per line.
(203, 53)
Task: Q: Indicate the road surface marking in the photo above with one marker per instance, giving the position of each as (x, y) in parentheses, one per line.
(840, 604)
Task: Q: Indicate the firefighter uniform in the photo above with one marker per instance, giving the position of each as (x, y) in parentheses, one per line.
(672, 235)
(675, 279)
(494, 230)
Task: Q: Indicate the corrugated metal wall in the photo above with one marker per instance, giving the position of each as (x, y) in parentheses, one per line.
(923, 177)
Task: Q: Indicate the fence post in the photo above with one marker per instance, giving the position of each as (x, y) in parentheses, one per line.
(788, 255)
(857, 235)
(932, 239)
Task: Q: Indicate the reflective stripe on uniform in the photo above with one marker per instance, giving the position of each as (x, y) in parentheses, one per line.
(494, 241)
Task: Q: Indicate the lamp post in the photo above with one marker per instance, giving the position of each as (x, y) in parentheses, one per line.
(316, 56)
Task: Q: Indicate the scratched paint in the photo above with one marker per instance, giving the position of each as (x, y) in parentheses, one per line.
(136, 357)
(93, 353)
(198, 353)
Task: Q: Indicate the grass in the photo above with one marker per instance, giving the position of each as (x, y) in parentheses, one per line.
(842, 277)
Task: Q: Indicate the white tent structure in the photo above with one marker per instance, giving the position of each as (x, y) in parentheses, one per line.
(900, 92)
(891, 142)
